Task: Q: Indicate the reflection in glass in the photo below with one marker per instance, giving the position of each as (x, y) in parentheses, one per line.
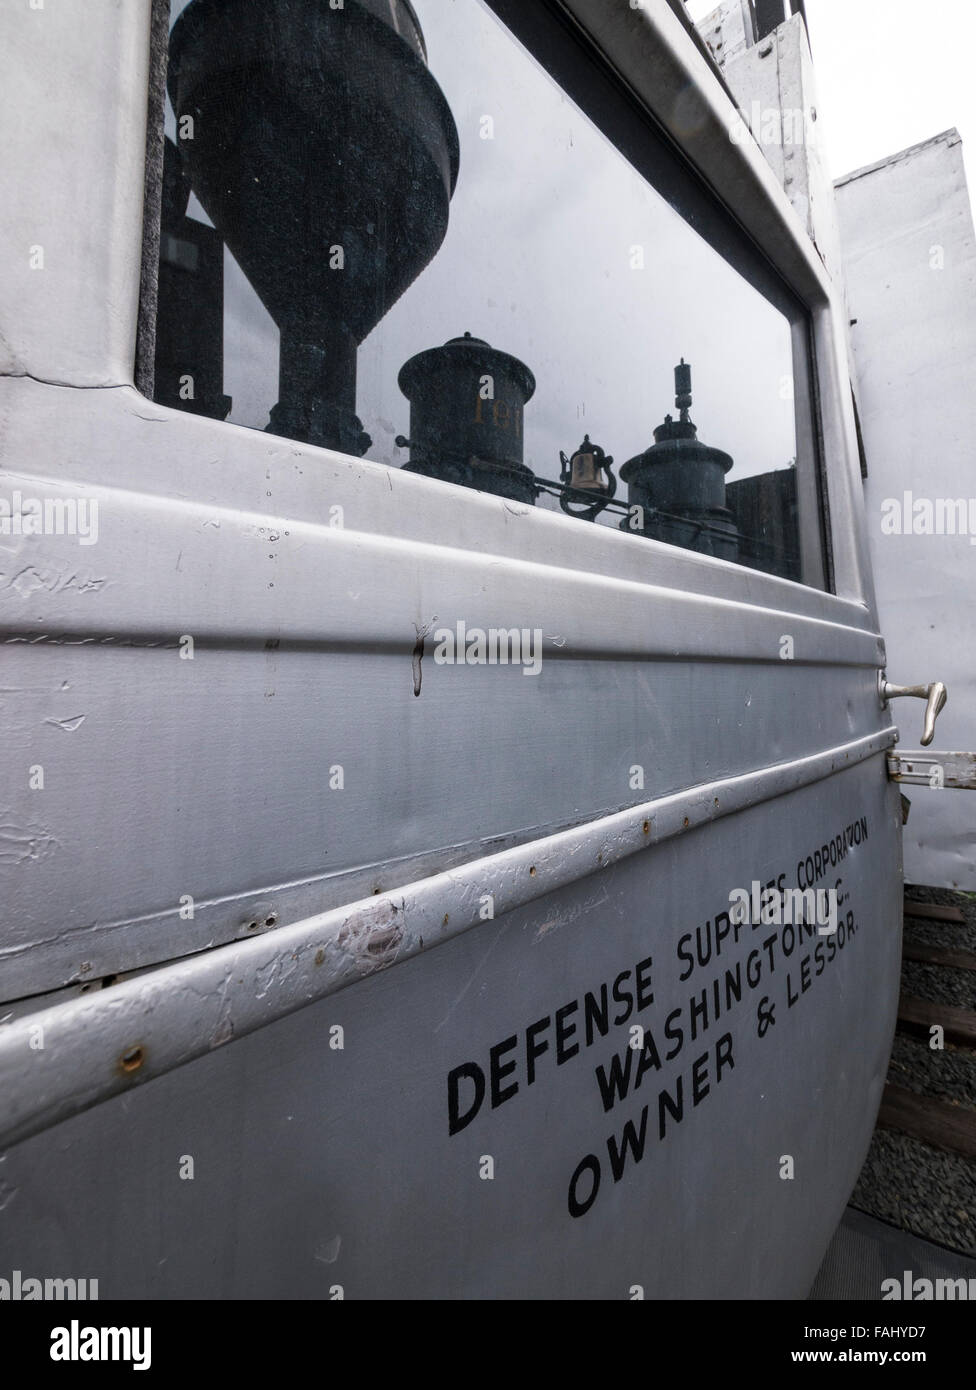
(324, 146)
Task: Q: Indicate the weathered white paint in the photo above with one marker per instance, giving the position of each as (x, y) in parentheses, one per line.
(727, 30)
(774, 83)
(915, 347)
(72, 160)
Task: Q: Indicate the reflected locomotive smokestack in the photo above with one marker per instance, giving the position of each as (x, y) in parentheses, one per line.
(326, 156)
(467, 403)
(680, 483)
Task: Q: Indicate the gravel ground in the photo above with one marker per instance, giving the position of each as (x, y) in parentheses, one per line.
(942, 933)
(949, 1074)
(919, 1189)
(939, 983)
(909, 1184)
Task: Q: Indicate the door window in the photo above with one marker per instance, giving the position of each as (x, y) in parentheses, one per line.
(391, 230)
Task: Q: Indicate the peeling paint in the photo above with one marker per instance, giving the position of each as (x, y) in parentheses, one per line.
(265, 978)
(30, 579)
(20, 844)
(372, 935)
(68, 725)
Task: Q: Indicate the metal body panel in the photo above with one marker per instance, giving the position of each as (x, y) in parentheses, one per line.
(170, 777)
(175, 1014)
(336, 1167)
(284, 686)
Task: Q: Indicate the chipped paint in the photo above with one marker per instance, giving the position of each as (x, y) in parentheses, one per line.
(22, 844)
(28, 580)
(68, 725)
(372, 934)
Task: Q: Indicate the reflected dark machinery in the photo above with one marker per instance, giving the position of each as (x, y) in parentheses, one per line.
(326, 156)
(189, 365)
(466, 417)
(679, 483)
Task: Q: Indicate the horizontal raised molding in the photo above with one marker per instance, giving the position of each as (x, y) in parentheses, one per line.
(101, 1044)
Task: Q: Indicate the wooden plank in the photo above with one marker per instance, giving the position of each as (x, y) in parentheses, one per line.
(933, 1121)
(930, 912)
(939, 955)
(919, 1015)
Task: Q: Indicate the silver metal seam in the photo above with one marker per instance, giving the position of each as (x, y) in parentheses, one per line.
(60, 1061)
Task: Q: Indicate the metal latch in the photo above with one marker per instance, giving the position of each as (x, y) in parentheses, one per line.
(935, 696)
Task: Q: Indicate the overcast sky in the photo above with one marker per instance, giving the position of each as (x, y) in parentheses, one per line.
(890, 73)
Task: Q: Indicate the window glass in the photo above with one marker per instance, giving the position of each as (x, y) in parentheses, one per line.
(389, 230)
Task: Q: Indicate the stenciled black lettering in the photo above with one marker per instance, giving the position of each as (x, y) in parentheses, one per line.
(578, 1207)
(499, 1094)
(623, 996)
(565, 1031)
(615, 1085)
(534, 1049)
(632, 1140)
(456, 1121)
(596, 1012)
(642, 979)
(685, 955)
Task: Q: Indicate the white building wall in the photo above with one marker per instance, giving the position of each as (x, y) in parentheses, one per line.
(909, 258)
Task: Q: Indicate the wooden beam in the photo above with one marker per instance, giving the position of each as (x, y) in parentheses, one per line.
(939, 955)
(918, 1016)
(933, 1121)
(931, 912)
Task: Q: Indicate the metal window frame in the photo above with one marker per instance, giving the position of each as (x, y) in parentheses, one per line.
(553, 35)
(651, 52)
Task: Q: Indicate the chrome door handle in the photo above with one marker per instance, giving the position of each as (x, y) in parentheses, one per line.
(934, 695)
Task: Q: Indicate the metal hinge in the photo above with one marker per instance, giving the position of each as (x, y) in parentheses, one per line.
(927, 769)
